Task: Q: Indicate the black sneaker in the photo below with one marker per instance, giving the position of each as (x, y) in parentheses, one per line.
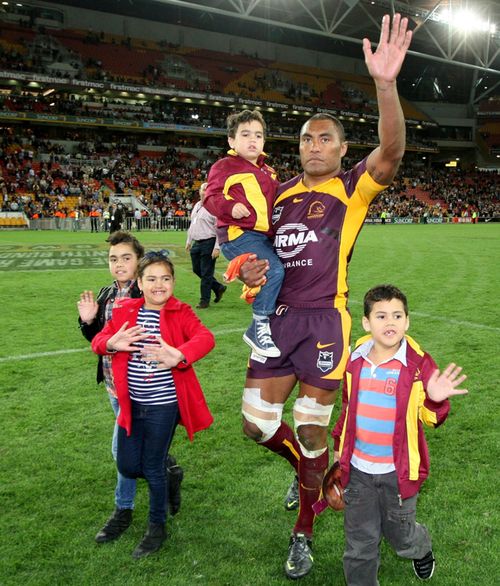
(424, 568)
(118, 523)
(151, 542)
(258, 337)
(175, 475)
(300, 559)
(292, 495)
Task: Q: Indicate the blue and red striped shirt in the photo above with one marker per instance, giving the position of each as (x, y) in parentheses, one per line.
(376, 412)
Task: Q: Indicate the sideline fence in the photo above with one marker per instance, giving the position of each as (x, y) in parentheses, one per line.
(84, 224)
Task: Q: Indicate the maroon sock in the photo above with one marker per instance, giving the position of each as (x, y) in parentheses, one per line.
(311, 473)
(284, 444)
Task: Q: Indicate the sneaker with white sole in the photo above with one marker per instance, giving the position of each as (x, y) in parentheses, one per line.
(424, 568)
(300, 559)
(258, 337)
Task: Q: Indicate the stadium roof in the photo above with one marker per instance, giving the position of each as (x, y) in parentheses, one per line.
(445, 63)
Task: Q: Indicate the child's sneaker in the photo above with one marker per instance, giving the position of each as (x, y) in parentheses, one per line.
(258, 337)
(424, 568)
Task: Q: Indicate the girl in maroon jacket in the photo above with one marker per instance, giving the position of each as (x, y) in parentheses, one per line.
(154, 342)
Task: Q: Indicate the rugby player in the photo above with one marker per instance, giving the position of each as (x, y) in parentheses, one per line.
(316, 218)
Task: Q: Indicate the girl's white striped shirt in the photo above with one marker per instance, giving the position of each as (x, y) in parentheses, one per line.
(147, 382)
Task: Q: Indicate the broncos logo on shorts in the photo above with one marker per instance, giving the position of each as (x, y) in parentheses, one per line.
(325, 361)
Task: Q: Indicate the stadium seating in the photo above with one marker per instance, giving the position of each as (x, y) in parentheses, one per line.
(12, 222)
(47, 174)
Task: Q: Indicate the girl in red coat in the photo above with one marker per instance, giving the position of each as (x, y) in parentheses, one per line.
(154, 342)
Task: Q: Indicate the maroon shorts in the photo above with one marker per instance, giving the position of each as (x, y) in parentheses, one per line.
(314, 345)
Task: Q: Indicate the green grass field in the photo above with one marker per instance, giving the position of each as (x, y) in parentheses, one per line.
(57, 474)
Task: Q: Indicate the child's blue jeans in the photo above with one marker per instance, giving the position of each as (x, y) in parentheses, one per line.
(125, 487)
(143, 453)
(262, 246)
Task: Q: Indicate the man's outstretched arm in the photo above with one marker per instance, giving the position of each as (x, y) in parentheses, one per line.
(384, 66)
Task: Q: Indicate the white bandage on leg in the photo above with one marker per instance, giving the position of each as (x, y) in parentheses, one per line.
(266, 416)
(307, 411)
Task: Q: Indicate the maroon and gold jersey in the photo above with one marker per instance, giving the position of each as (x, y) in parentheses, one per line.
(233, 179)
(315, 231)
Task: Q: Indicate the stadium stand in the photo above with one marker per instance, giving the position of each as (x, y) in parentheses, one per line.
(63, 149)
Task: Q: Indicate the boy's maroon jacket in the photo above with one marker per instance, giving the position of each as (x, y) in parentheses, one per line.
(180, 328)
(413, 407)
(233, 180)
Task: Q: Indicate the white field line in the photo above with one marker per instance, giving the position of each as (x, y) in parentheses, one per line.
(87, 349)
(42, 354)
(456, 322)
(58, 270)
(239, 330)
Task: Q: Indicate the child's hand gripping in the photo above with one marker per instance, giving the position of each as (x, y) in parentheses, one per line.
(239, 211)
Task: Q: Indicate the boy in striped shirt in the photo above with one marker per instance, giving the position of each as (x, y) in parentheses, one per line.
(390, 388)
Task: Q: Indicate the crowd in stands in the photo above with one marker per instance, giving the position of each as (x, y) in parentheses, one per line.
(463, 191)
(167, 185)
(41, 175)
(277, 81)
(440, 193)
(166, 67)
(173, 113)
(76, 54)
(66, 54)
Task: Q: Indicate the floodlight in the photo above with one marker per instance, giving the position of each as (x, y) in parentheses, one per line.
(466, 21)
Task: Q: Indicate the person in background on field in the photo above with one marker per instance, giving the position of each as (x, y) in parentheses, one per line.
(106, 218)
(59, 215)
(125, 252)
(240, 193)
(75, 216)
(317, 217)
(116, 217)
(391, 386)
(203, 246)
(94, 216)
(153, 342)
(138, 219)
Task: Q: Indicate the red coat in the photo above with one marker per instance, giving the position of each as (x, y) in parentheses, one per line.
(179, 327)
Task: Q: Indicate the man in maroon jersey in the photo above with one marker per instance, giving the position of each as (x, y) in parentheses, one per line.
(316, 218)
